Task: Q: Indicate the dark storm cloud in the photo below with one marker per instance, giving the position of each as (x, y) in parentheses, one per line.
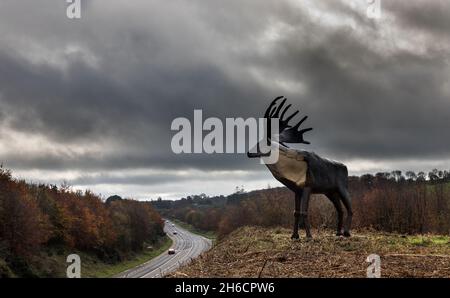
(364, 104)
(430, 16)
(120, 75)
(125, 160)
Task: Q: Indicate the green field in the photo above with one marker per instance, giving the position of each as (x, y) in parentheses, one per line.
(207, 234)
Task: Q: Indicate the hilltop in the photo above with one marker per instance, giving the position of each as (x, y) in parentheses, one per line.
(269, 252)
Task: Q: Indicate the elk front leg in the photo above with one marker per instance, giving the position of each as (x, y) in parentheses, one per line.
(296, 216)
(304, 210)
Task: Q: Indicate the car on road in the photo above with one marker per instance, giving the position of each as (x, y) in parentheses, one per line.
(171, 251)
(175, 233)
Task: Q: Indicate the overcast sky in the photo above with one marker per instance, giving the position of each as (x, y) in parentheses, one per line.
(91, 101)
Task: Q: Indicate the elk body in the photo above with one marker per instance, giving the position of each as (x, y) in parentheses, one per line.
(306, 173)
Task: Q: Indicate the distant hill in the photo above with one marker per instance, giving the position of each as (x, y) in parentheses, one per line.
(385, 202)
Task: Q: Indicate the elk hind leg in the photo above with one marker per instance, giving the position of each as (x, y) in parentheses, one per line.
(336, 200)
(347, 201)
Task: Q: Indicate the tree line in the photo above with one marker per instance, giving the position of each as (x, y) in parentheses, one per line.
(393, 202)
(35, 217)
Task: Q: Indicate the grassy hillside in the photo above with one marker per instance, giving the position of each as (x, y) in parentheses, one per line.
(52, 263)
(253, 252)
(94, 268)
(207, 234)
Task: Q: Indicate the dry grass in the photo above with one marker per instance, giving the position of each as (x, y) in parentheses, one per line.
(253, 252)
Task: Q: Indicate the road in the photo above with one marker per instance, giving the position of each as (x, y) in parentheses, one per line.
(187, 246)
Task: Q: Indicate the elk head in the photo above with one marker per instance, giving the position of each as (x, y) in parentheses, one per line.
(286, 133)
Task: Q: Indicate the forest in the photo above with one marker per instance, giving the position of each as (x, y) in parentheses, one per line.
(409, 203)
(36, 218)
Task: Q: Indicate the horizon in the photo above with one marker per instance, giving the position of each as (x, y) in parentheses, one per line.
(238, 188)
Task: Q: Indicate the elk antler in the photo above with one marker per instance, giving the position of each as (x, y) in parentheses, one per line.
(288, 134)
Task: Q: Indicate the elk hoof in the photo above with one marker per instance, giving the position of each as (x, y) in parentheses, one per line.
(347, 234)
(339, 234)
(295, 236)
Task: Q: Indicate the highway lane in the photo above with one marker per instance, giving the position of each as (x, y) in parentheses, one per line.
(187, 246)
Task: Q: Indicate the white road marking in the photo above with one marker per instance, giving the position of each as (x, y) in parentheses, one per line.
(187, 246)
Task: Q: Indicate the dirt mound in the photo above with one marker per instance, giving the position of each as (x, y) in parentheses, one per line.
(253, 252)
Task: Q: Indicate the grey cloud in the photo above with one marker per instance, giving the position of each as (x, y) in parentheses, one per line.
(429, 16)
(119, 76)
(163, 178)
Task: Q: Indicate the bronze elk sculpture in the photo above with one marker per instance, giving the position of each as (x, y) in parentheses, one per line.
(304, 172)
